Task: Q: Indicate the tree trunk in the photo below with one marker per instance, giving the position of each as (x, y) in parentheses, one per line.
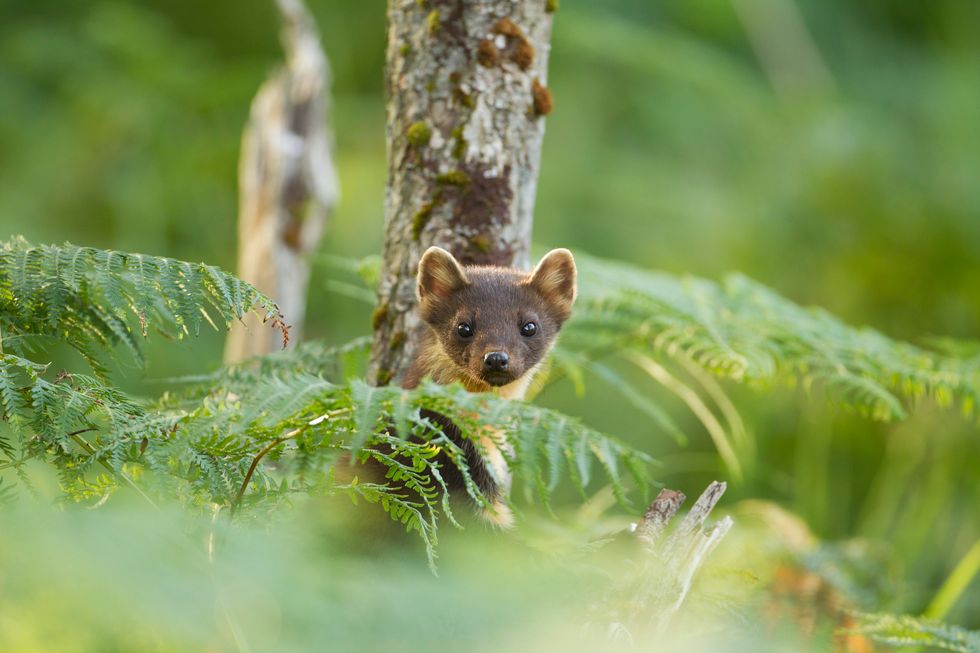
(287, 182)
(466, 84)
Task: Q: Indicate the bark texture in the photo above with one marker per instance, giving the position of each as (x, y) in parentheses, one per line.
(467, 92)
(287, 182)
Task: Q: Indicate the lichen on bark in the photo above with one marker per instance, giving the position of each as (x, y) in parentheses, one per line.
(470, 187)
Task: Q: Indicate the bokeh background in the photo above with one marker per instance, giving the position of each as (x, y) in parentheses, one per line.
(826, 148)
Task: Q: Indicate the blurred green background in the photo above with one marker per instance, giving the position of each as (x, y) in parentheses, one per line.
(828, 149)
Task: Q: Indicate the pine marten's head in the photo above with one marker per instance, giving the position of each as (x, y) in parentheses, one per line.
(495, 324)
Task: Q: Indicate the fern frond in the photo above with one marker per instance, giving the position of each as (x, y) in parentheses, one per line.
(741, 330)
(52, 414)
(310, 359)
(400, 507)
(904, 630)
(95, 299)
(304, 424)
(7, 494)
(546, 442)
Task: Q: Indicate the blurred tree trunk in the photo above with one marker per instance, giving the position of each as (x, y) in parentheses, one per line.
(466, 83)
(287, 182)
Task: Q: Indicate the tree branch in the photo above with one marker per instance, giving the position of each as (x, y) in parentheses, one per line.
(287, 182)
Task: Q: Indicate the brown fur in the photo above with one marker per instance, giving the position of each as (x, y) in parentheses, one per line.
(496, 302)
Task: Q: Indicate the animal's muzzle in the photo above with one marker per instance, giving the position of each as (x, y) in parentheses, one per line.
(496, 361)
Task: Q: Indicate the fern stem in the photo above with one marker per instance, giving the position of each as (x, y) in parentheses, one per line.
(947, 596)
(707, 418)
(269, 447)
(80, 441)
(736, 426)
(13, 463)
(272, 445)
(255, 463)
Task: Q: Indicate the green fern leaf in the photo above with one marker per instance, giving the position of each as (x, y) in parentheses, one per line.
(742, 330)
(89, 298)
(896, 630)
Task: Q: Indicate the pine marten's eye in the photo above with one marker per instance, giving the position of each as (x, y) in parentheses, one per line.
(529, 329)
(464, 330)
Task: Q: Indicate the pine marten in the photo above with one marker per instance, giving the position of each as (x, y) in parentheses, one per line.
(490, 329)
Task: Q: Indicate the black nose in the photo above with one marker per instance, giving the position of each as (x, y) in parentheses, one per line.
(496, 361)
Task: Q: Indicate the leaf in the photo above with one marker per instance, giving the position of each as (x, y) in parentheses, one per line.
(741, 330)
(367, 409)
(641, 402)
(95, 299)
(904, 630)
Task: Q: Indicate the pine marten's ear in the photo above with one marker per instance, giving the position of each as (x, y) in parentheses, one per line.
(554, 279)
(440, 275)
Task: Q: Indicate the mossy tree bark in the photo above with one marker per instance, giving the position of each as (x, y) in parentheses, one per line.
(287, 182)
(467, 92)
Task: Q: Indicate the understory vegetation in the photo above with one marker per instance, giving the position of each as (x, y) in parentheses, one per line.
(743, 185)
(239, 445)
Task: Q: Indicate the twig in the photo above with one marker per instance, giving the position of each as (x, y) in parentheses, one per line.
(658, 515)
(694, 520)
(702, 549)
(689, 545)
(655, 592)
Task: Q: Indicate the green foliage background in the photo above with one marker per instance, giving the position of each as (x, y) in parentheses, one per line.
(670, 147)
